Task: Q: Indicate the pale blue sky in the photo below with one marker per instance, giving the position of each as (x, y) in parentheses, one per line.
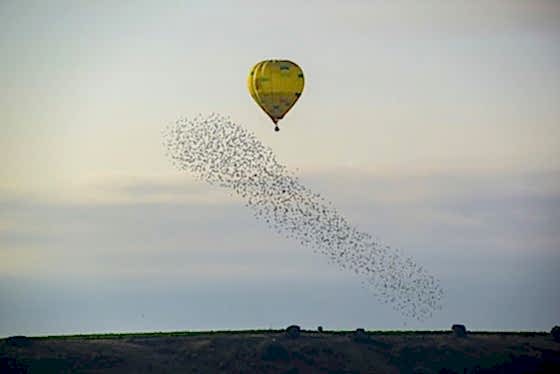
(433, 125)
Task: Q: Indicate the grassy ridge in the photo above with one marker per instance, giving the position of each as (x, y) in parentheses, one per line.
(276, 331)
(270, 351)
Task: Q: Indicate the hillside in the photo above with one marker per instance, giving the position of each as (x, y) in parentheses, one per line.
(274, 352)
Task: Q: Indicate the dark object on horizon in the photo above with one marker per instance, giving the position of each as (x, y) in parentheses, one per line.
(459, 331)
(18, 341)
(293, 331)
(320, 328)
(555, 332)
(275, 352)
(361, 336)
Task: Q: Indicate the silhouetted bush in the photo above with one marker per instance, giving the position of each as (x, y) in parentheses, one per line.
(320, 328)
(360, 336)
(555, 332)
(459, 331)
(293, 331)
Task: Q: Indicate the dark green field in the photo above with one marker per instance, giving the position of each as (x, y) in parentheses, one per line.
(271, 351)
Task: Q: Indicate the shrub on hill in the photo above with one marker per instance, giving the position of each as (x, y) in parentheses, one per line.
(293, 331)
(360, 336)
(555, 332)
(459, 331)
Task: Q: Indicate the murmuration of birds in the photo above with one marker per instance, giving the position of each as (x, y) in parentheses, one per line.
(223, 153)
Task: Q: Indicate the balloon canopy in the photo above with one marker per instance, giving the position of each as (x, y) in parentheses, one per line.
(276, 85)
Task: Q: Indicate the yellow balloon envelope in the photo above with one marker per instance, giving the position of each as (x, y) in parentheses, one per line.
(276, 85)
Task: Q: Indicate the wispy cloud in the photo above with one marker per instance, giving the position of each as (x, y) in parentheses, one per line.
(496, 214)
(177, 189)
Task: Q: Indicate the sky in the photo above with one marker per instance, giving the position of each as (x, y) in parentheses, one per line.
(432, 125)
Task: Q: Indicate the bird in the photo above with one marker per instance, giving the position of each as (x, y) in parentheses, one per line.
(220, 152)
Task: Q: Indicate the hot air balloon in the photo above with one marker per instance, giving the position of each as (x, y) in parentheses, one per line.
(276, 85)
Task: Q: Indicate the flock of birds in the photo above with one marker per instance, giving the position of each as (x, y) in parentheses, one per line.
(223, 153)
